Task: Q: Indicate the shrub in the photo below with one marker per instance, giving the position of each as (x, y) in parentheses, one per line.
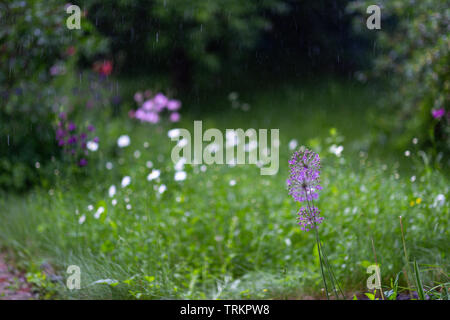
(414, 54)
(37, 51)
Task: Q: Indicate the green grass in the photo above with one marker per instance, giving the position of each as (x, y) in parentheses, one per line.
(204, 238)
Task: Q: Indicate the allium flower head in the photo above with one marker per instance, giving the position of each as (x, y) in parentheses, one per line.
(309, 219)
(303, 183)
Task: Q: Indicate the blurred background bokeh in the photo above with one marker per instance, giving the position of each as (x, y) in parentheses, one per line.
(373, 103)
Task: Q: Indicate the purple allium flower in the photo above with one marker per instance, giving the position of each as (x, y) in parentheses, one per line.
(303, 183)
(96, 139)
(91, 128)
(63, 116)
(309, 219)
(82, 162)
(438, 113)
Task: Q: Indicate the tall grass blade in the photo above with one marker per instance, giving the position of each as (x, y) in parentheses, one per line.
(418, 281)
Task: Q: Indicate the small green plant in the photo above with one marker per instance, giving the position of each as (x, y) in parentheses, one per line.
(41, 282)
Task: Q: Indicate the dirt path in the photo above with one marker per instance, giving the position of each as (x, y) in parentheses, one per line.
(13, 285)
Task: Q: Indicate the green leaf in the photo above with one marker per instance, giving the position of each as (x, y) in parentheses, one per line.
(371, 296)
(418, 281)
(444, 293)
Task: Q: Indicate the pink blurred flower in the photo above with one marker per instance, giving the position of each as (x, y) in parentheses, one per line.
(173, 105)
(147, 93)
(70, 51)
(57, 70)
(139, 114)
(104, 68)
(148, 105)
(175, 117)
(151, 117)
(138, 97)
(89, 104)
(160, 100)
(151, 109)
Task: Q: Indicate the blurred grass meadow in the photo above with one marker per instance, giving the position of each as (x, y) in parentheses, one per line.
(86, 181)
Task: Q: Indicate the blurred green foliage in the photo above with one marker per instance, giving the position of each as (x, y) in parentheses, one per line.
(36, 51)
(415, 56)
(182, 37)
(198, 43)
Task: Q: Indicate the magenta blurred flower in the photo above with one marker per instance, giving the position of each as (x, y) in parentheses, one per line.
(83, 162)
(438, 113)
(72, 126)
(60, 133)
(62, 116)
(72, 140)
